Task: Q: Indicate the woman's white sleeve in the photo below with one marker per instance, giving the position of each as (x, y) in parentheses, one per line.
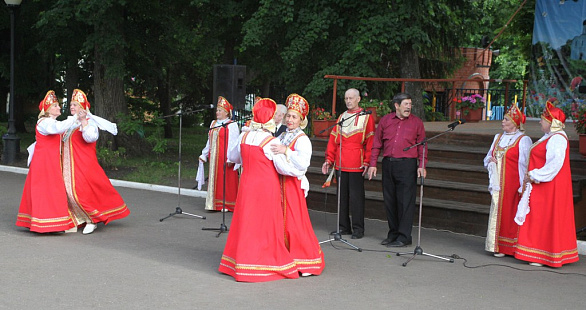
(295, 162)
(524, 148)
(233, 134)
(489, 154)
(234, 152)
(90, 133)
(554, 159)
(49, 126)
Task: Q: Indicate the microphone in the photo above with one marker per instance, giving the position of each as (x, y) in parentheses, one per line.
(205, 106)
(456, 123)
(366, 112)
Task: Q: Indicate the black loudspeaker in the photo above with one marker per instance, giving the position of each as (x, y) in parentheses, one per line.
(230, 83)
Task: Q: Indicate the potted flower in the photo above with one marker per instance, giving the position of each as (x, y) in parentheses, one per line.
(471, 107)
(320, 120)
(579, 117)
(379, 108)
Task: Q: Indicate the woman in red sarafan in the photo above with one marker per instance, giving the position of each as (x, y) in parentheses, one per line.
(547, 235)
(43, 206)
(223, 135)
(506, 163)
(92, 198)
(292, 163)
(255, 249)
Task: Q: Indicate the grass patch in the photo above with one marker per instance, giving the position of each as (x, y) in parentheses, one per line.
(149, 167)
(163, 168)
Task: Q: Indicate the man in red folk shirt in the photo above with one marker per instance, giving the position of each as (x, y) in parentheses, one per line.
(356, 136)
(395, 132)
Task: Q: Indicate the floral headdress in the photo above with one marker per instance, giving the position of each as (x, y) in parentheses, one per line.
(224, 104)
(298, 104)
(49, 100)
(516, 116)
(80, 98)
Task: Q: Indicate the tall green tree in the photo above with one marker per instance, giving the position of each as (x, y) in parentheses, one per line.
(510, 33)
(298, 42)
(162, 51)
(155, 50)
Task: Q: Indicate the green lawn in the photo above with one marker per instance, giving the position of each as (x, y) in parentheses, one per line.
(163, 168)
(148, 167)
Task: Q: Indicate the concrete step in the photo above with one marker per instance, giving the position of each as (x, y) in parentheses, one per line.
(577, 163)
(456, 172)
(460, 139)
(449, 171)
(466, 155)
(436, 189)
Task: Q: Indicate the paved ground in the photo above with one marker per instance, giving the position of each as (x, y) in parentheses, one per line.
(142, 263)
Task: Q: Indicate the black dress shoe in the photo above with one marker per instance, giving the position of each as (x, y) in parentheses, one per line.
(357, 235)
(342, 232)
(397, 244)
(386, 241)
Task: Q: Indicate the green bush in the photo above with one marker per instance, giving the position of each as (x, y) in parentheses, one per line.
(110, 159)
(155, 137)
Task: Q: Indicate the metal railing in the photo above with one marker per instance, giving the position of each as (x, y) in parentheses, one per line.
(495, 106)
(442, 100)
(242, 116)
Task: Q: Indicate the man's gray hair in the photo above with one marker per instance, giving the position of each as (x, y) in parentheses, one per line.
(281, 108)
(354, 90)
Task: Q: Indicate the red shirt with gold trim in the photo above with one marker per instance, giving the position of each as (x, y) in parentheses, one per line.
(357, 136)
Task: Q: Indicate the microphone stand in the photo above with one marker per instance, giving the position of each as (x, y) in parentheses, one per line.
(178, 209)
(418, 249)
(337, 236)
(223, 227)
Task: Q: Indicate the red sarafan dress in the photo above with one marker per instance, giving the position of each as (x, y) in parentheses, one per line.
(43, 206)
(219, 141)
(255, 248)
(548, 235)
(300, 238)
(506, 228)
(90, 192)
(511, 151)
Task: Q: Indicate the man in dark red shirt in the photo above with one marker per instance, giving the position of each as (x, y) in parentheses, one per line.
(395, 132)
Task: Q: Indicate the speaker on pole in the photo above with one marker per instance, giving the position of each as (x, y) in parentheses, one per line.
(230, 82)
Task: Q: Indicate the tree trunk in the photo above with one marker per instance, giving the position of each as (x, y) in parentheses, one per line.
(410, 70)
(165, 107)
(108, 100)
(266, 88)
(71, 80)
(108, 72)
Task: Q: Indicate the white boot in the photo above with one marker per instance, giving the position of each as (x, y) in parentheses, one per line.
(89, 228)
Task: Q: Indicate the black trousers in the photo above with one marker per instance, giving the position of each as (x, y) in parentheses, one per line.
(399, 190)
(351, 201)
